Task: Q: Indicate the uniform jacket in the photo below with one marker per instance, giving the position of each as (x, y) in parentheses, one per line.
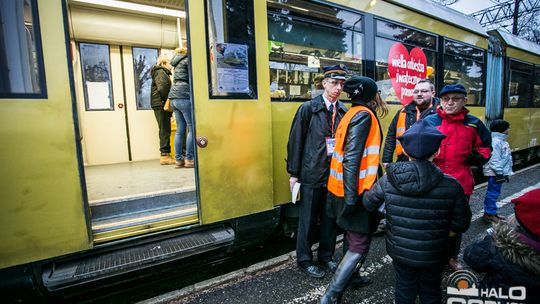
(410, 119)
(360, 221)
(180, 87)
(507, 262)
(501, 156)
(307, 158)
(422, 205)
(161, 84)
(466, 136)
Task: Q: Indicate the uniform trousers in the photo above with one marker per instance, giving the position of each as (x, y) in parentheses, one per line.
(312, 210)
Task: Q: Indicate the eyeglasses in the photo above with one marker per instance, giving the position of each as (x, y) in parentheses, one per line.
(421, 91)
(453, 98)
(335, 82)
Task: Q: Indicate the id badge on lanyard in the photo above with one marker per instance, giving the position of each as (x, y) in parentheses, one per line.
(331, 141)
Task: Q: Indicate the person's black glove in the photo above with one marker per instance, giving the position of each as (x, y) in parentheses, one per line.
(348, 209)
(499, 178)
(507, 178)
(476, 159)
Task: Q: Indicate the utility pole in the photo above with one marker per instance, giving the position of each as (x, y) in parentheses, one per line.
(515, 16)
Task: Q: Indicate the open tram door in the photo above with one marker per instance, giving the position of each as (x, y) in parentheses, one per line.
(229, 68)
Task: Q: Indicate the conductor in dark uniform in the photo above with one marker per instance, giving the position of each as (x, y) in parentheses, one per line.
(309, 150)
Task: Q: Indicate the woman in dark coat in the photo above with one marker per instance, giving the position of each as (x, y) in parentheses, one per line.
(354, 168)
(159, 91)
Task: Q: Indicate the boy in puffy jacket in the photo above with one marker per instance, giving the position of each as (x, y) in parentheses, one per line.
(498, 168)
(422, 206)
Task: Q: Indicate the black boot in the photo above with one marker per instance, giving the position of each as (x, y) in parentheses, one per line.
(341, 278)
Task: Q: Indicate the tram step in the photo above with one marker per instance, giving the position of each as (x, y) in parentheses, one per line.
(125, 206)
(70, 273)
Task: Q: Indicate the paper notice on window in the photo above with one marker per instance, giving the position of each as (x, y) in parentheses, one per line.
(232, 68)
(295, 192)
(98, 95)
(294, 90)
(313, 62)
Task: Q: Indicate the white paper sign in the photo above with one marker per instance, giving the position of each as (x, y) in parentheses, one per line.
(313, 62)
(98, 95)
(295, 191)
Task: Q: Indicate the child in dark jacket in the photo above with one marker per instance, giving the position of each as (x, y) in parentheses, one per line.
(422, 206)
(511, 256)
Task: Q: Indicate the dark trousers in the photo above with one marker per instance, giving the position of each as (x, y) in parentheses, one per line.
(163, 119)
(454, 242)
(311, 209)
(424, 282)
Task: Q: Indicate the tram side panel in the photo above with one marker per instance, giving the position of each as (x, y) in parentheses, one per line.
(43, 211)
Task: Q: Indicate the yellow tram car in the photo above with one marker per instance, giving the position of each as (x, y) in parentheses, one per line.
(84, 197)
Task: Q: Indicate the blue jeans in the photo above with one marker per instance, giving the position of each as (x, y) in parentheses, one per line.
(182, 114)
(492, 194)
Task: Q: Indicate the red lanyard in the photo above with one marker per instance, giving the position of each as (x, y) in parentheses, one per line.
(334, 118)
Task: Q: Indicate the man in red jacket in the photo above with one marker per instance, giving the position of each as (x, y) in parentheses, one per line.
(467, 144)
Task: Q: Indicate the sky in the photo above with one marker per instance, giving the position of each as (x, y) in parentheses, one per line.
(471, 6)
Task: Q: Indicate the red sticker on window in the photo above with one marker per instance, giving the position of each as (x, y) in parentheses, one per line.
(406, 70)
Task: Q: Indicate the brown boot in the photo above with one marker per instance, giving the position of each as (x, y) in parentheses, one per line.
(179, 164)
(189, 163)
(166, 160)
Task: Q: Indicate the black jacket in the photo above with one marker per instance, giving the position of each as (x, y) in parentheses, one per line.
(410, 119)
(422, 206)
(161, 84)
(307, 158)
(180, 87)
(359, 220)
(507, 262)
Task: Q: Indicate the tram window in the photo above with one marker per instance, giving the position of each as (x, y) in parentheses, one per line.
(387, 35)
(466, 68)
(231, 46)
(303, 37)
(96, 72)
(536, 91)
(143, 60)
(21, 59)
(519, 88)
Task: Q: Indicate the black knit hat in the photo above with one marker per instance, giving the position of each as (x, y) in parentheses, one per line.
(421, 140)
(360, 88)
(499, 125)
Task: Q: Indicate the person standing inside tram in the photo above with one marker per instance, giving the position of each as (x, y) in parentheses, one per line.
(181, 104)
(424, 103)
(309, 149)
(159, 91)
(354, 169)
(467, 144)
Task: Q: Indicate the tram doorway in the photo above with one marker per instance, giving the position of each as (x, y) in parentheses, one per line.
(114, 48)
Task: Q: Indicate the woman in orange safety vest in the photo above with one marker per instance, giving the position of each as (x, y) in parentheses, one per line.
(354, 169)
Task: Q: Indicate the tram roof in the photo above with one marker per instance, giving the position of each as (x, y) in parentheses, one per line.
(443, 13)
(519, 43)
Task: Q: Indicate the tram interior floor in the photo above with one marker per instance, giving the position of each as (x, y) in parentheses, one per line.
(136, 179)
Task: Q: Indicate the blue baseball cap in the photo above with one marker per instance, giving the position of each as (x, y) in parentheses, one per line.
(453, 88)
(338, 71)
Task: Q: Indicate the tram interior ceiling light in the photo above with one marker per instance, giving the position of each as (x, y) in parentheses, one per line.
(135, 7)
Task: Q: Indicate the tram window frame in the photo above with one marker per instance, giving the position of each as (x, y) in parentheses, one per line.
(430, 50)
(242, 43)
(35, 74)
(522, 68)
(309, 17)
(140, 104)
(84, 83)
(536, 87)
(451, 51)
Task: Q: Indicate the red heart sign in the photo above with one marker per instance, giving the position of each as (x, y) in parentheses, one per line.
(406, 70)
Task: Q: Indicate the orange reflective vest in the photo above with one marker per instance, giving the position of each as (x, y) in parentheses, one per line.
(400, 128)
(369, 165)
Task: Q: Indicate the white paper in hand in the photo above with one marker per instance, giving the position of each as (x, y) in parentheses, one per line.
(295, 191)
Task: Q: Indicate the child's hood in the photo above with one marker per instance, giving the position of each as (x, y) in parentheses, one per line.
(414, 178)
